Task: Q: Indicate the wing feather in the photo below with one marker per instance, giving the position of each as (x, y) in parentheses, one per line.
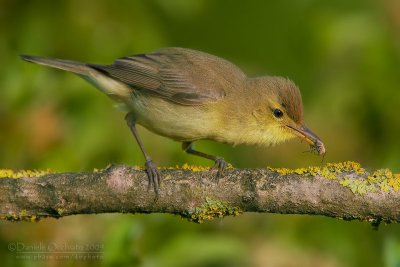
(180, 75)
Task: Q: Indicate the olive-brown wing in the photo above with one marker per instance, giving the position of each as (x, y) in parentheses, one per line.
(180, 75)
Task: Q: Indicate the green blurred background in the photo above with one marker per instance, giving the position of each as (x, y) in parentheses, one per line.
(344, 55)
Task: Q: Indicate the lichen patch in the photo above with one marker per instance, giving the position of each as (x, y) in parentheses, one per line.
(7, 173)
(210, 209)
(23, 215)
(330, 170)
(350, 174)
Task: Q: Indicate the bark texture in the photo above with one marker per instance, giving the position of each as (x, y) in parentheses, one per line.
(193, 193)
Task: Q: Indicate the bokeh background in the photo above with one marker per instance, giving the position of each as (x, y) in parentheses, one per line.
(344, 55)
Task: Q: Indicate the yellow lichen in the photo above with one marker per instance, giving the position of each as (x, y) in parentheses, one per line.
(7, 173)
(209, 210)
(395, 182)
(330, 170)
(60, 211)
(382, 180)
(23, 215)
(355, 177)
(193, 168)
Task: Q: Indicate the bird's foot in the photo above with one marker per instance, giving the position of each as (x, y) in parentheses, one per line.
(153, 175)
(220, 165)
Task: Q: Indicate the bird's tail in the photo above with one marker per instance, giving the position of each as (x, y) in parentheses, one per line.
(68, 65)
(110, 86)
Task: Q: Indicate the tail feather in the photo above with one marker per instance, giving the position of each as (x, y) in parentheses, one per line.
(115, 89)
(68, 65)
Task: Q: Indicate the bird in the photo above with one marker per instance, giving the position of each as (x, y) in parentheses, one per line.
(189, 95)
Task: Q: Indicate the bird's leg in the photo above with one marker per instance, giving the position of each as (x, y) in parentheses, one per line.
(220, 163)
(151, 170)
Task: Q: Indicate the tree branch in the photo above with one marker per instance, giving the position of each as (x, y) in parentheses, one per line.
(343, 190)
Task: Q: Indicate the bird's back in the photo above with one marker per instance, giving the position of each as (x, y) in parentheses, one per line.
(180, 75)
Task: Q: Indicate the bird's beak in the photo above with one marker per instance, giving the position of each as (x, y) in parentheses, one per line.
(305, 134)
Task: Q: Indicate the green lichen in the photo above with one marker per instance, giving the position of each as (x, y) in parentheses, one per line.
(7, 173)
(60, 211)
(209, 210)
(330, 170)
(382, 180)
(350, 174)
(385, 180)
(21, 216)
(357, 186)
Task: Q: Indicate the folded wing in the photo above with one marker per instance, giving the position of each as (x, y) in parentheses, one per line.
(180, 75)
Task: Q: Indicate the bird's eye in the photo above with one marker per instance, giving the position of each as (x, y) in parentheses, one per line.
(278, 113)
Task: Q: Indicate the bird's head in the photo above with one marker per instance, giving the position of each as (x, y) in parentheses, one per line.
(282, 112)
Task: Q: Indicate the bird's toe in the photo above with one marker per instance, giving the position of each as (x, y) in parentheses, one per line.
(219, 166)
(153, 176)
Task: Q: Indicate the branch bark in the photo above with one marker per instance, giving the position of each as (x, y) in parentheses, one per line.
(195, 195)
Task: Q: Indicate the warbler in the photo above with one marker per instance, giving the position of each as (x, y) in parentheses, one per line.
(188, 95)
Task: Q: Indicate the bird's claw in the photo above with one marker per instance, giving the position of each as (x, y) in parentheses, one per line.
(153, 175)
(220, 166)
